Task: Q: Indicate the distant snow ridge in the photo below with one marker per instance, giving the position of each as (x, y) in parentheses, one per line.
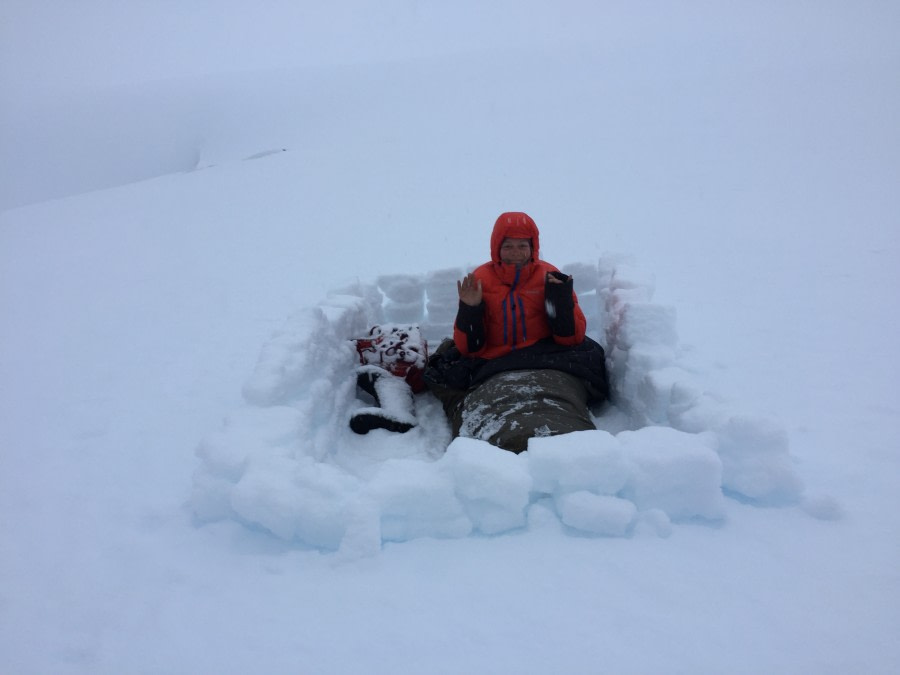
(665, 451)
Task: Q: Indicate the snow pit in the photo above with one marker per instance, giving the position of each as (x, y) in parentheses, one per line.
(288, 462)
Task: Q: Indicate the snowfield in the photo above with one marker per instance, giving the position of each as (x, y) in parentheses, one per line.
(199, 209)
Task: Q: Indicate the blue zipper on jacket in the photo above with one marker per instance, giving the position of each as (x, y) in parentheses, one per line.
(513, 301)
(522, 317)
(505, 322)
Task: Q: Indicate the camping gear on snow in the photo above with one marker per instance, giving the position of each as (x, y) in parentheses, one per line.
(393, 362)
(394, 409)
(513, 406)
(400, 350)
(542, 390)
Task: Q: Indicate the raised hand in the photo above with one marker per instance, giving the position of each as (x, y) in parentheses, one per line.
(469, 290)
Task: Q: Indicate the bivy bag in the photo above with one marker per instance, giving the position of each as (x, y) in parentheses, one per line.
(542, 390)
(511, 407)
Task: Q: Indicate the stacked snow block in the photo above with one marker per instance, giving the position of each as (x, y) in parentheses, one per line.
(266, 464)
(604, 484)
(494, 488)
(405, 297)
(431, 300)
(308, 348)
(427, 300)
(653, 388)
(372, 298)
(597, 484)
(443, 302)
(640, 339)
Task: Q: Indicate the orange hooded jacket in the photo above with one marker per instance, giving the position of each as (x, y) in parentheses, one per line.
(519, 307)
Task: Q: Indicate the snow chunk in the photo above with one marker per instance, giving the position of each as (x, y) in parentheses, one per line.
(443, 298)
(756, 462)
(654, 521)
(493, 485)
(441, 284)
(296, 499)
(659, 389)
(402, 288)
(310, 345)
(631, 370)
(404, 312)
(647, 323)
(674, 471)
(596, 514)
(695, 415)
(580, 461)
(417, 499)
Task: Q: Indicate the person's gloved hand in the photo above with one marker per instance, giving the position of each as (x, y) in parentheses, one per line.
(559, 303)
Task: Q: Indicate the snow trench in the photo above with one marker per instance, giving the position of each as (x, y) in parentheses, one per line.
(666, 450)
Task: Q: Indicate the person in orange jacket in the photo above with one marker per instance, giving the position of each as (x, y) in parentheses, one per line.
(520, 364)
(516, 299)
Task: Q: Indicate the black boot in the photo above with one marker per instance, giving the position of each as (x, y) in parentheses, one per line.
(394, 407)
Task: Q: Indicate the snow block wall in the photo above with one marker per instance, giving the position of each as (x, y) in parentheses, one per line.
(653, 388)
(666, 450)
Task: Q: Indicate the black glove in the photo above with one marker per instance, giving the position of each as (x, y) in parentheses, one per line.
(559, 302)
(470, 320)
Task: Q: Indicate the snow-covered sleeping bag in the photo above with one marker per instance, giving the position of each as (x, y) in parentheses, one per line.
(543, 390)
(511, 407)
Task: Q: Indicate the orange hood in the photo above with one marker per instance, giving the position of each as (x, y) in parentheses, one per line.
(516, 225)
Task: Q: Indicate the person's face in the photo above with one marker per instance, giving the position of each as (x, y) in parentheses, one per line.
(515, 251)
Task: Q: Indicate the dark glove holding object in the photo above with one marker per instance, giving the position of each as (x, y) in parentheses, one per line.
(559, 302)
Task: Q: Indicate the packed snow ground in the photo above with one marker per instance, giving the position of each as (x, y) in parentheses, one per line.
(746, 156)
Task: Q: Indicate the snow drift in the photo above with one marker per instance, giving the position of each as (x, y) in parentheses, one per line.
(665, 450)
